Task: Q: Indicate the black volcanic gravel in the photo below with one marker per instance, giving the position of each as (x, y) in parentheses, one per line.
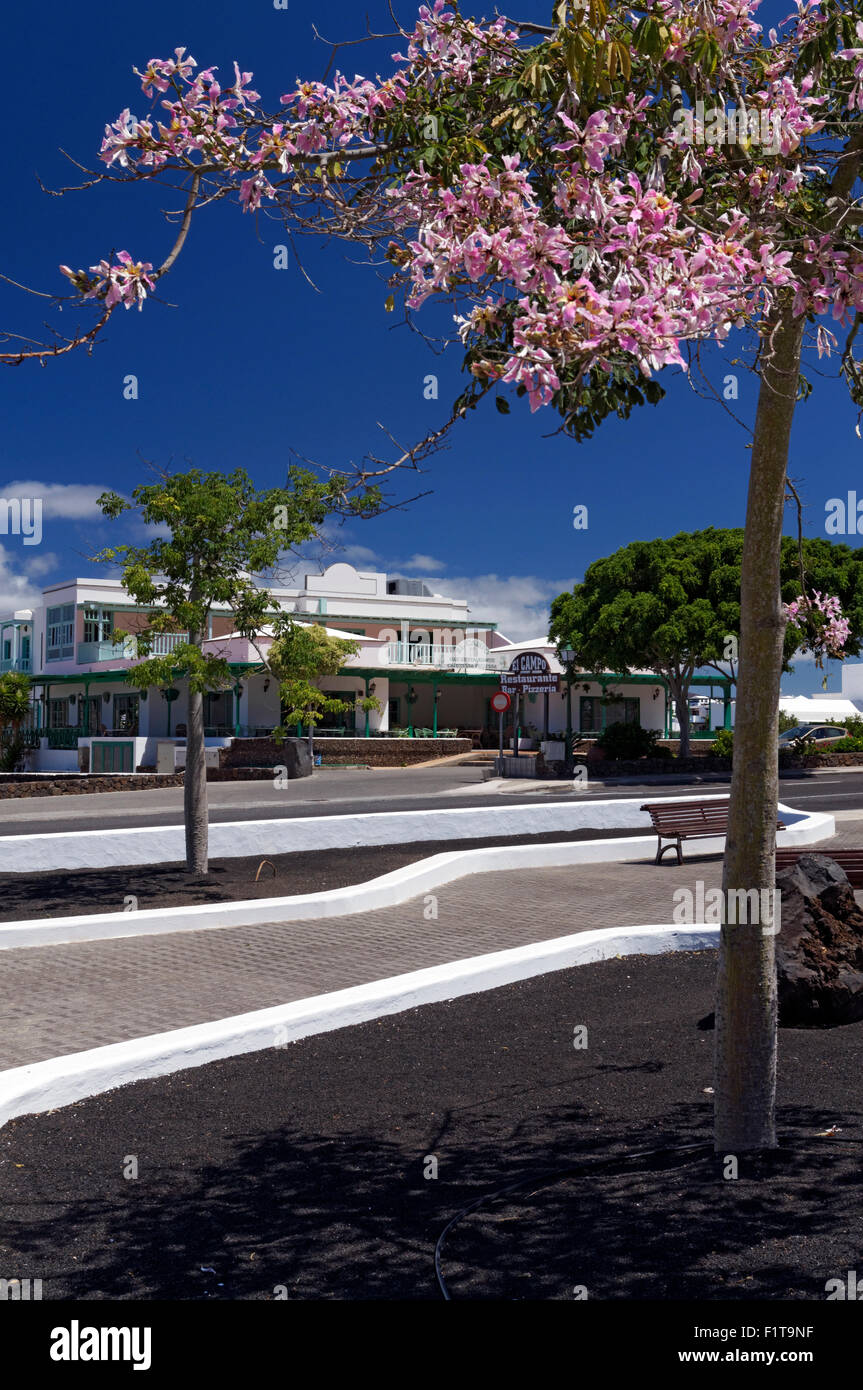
(303, 1166)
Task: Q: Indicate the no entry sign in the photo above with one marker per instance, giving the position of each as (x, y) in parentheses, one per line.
(500, 702)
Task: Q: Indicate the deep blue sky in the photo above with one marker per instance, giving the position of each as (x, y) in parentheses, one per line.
(253, 363)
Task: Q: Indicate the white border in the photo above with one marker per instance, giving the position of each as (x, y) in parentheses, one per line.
(389, 890)
(61, 1081)
(100, 849)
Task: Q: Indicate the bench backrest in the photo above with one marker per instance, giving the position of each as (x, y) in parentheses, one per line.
(851, 860)
(688, 815)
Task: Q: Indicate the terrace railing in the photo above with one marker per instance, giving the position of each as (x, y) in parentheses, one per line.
(468, 657)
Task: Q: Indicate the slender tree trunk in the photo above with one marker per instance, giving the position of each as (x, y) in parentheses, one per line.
(746, 1028)
(195, 808)
(680, 696)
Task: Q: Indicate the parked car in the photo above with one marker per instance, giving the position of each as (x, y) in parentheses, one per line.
(813, 735)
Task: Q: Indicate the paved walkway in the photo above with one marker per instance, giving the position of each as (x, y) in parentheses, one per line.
(62, 999)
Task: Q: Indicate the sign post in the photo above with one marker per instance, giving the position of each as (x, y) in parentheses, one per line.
(501, 703)
(529, 673)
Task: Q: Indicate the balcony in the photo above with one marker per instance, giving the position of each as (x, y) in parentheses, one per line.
(91, 652)
(22, 664)
(163, 643)
(466, 656)
(166, 642)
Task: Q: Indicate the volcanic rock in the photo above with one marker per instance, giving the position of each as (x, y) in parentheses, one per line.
(819, 949)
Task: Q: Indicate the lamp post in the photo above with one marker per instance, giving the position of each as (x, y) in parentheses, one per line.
(567, 656)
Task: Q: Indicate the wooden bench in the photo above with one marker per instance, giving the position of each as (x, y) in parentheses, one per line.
(688, 820)
(851, 860)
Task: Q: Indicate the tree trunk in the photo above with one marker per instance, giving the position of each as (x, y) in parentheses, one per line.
(680, 696)
(195, 809)
(746, 1037)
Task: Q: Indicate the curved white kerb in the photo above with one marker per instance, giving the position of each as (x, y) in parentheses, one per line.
(389, 890)
(62, 1080)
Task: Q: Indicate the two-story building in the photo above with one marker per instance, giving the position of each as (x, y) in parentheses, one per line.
(428, 663)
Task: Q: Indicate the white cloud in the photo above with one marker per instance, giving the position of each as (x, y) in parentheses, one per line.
(75, 501)
(19, 589)
(425, 563)
(519, 604)
(355, 555)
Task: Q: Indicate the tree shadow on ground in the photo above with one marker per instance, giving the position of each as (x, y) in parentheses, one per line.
(329, 1168)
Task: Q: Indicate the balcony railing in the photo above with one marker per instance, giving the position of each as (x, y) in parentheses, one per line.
(163, 643)
(90, 652)
(64, 738)
(27, 737)
(21, 663)
(470, 657)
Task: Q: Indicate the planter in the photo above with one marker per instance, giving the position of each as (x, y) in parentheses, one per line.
(553, 752)
(527, 743)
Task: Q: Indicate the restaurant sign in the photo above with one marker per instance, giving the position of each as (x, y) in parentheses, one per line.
(529, 673)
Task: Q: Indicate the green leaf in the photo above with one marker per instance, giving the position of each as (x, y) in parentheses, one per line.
(390, 303)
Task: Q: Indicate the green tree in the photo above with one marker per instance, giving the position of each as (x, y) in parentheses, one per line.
(225, 538)
(673, 606)
(15, 710)
(299, 655)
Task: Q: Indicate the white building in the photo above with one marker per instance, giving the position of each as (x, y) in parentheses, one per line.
(814, 709)
(424, 658)
(852, 684)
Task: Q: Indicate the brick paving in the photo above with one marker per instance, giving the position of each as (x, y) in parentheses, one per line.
(62, 999)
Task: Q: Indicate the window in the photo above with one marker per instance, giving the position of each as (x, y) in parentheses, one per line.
(7, 649)
(126, 714)
(98, 623)
(616, 712)
(61, 633)
(395, 705)
(25, 648)
(58, 714)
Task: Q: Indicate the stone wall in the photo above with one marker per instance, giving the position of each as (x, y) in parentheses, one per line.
(374, 752)
(70, 784)
(388, 752)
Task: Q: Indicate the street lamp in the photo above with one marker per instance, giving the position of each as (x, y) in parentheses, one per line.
(567, 656)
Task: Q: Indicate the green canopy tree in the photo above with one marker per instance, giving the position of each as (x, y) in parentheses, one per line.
(673, 606)
(225, 537)
(15, 710)
(300, 654)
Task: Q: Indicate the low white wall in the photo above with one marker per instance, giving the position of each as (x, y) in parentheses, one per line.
(54, 759)
(386, 891)
(234, 839)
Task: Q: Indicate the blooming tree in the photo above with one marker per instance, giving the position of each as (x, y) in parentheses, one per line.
(822, 629)
(581, 196)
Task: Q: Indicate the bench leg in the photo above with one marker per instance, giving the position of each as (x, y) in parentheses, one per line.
(662, 848)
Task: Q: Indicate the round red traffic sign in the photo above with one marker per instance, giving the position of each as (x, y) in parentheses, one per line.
(500, 702)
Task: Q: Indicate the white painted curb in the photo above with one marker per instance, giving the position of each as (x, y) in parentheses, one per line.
(89, 849)
(62, 1080)
(388, 890)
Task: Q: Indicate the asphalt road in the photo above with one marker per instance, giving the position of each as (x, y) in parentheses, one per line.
(351, 791)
